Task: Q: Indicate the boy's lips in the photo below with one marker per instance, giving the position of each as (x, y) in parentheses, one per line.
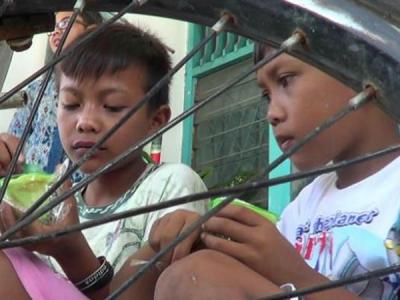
(81, 147)
(285, 142)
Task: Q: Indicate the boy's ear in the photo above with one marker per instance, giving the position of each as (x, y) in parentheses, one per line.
(160, 117)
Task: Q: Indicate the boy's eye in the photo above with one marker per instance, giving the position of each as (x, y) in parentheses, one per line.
(285, 79)
(265, 96)
(114, 108)
(70, 106)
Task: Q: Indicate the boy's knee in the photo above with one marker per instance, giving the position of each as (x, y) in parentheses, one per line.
(201, 262)
(167, 284)
(179, 279)
(187, 278)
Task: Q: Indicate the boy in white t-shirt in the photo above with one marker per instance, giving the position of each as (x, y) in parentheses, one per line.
(339, 226)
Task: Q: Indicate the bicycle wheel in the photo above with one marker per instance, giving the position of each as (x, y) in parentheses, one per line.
(364, 34)
(354, 41)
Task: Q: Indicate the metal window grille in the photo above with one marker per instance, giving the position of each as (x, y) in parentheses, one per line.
(230, 136)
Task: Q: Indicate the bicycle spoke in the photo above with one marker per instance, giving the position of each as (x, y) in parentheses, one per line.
(354, 103)
(79, 6)
(30, 217)
(336, 283)
(243, 188)
(134, 4)
(4, 6)
(364, 47)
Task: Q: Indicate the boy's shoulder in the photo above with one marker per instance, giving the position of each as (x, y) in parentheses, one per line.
(325, 185)
(174, 168)
(312, 192)
(318, 184)
(174, 172)
(172, 180)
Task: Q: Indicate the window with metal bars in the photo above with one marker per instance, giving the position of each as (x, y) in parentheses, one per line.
(229, 135)
(230, 141)
(225, 49)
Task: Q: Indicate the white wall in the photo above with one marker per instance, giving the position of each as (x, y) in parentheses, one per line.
(173, 33)
(23, 64)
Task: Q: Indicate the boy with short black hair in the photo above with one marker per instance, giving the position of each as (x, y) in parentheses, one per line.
(339, 226)
(99, 83)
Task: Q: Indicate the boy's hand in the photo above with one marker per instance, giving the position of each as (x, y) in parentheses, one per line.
(71, 251)
(8, 146)
(167, 228)
(253, 240)
(57, 247)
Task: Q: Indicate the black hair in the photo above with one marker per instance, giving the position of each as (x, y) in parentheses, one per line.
(118, 47)
(260, 50)
(91, 17)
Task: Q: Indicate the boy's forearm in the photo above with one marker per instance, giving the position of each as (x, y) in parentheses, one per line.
(310, 278)
(79, 262)
(292, 268)
(144, 287)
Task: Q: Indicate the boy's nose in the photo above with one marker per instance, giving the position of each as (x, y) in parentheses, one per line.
(88, 124)
(276, 113)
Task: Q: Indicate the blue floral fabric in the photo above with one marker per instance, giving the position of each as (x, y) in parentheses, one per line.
(43, 146)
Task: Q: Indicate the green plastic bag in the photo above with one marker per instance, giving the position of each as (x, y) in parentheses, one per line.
(261, 211)
(24, 189)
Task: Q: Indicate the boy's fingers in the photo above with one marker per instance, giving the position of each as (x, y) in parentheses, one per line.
(10, 140)
(3, 228)
(69, 212)
(226, 246)
(33, 229)
(154, 240)
(156, 232)
(70, 202)
(8, 146)
(229, 228)
(157, 239)
(242, 215)
(185, 247)
(7, 215)
(170, 230)
(8, 219)
(5, 158)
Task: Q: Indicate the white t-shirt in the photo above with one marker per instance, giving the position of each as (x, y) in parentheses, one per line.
(120, 239)
(345, 232)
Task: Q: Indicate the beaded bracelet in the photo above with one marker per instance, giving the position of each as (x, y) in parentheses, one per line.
(98, 279)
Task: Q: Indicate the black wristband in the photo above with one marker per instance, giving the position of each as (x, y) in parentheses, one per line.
(98, 279)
